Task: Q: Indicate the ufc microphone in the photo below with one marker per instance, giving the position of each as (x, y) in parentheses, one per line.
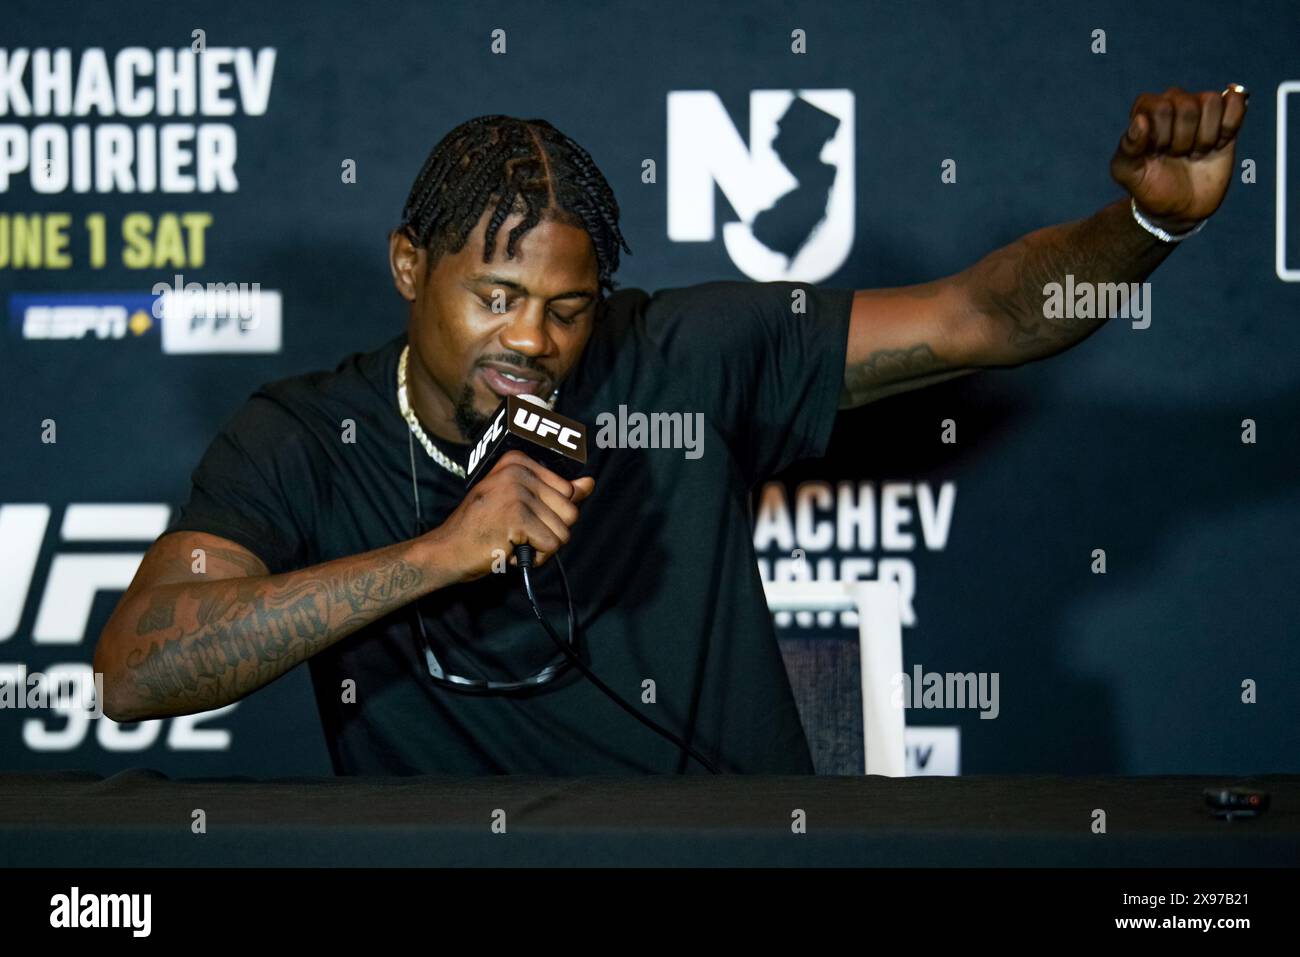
(524, 422)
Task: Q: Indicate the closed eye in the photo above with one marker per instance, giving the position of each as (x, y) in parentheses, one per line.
(563, 320)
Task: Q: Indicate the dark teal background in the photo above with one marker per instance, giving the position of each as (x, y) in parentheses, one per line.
(1130, 442)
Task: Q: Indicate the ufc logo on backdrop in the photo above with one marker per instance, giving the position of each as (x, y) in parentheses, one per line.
(63, 615)
(792, 185)
(74, 579)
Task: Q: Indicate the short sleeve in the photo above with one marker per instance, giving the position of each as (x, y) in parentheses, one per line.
(769, 375)
(244, 486)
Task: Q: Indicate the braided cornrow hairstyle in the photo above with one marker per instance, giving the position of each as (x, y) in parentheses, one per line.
(528, 167)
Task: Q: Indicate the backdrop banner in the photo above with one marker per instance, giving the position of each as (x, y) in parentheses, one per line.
(1091, 550)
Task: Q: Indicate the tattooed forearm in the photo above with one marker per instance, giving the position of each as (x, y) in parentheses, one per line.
(376, 586)
(1007, 287)
(245, 563)
(886, 366)
(160, 614)
(232, 643)
(213, 642)
(1029, 300)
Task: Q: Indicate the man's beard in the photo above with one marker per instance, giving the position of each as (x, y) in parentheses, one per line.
(469, 420)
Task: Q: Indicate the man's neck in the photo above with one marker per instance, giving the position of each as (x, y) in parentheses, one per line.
(430, 404)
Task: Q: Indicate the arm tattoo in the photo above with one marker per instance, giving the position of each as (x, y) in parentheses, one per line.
(1007, 286)
(864, 379)
(223, 639)
(1003, 303)
(249, 565)
(160, 614)
(376, 586)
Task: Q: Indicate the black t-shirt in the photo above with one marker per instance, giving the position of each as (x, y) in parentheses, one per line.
(661, 562)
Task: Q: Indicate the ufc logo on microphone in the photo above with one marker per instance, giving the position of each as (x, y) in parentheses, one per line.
(518, 424)
(542, 427)
(492, 433)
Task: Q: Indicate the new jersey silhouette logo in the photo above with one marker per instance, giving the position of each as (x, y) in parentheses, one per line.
(791, 186)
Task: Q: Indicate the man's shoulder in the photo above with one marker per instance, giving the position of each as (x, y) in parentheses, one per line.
(630, 308)
(288, 409)
(621, 306)
(634, 313)
(732, 296)
(357, 381)
(633, 302)
(637, 328)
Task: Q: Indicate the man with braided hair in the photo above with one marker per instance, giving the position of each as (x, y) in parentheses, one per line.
(369, 560)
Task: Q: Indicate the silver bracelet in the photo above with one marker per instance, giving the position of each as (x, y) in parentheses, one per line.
(1162, 234)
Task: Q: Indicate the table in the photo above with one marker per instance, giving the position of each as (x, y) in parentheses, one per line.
(143, 818)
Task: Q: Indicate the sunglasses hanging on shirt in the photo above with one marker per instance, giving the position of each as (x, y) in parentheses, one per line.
(561, 445)
(459, 683)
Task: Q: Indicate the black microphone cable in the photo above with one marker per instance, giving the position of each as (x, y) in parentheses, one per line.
(525, 554)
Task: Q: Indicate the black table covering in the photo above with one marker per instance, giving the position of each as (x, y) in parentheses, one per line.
(143, 818)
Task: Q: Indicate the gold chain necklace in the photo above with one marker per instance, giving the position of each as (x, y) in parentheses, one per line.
(404, 403)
